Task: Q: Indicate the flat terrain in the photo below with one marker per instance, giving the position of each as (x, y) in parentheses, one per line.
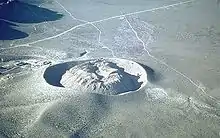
(176, 42)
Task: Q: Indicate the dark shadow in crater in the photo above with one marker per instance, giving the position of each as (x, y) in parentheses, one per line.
(133, 80)
(152, 75)
(53, 74)
(19, 12)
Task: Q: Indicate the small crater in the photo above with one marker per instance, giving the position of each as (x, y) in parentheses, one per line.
(110, 76)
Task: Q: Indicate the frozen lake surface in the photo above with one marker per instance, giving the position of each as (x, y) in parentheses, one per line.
(117, 68)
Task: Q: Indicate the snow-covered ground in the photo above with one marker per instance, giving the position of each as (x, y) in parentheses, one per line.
(170, 90)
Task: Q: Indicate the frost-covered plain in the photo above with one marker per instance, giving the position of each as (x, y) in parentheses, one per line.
(175, 42)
